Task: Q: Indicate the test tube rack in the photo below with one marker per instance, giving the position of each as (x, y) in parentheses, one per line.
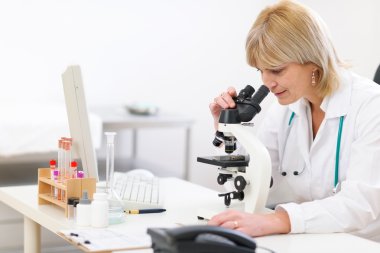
(71, 188)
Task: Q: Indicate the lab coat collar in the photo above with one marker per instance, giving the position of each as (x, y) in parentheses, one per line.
(335, 105)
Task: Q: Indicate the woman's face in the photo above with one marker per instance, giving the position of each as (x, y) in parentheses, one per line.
(290, 82)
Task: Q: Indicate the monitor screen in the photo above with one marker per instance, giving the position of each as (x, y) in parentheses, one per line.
(78, 121)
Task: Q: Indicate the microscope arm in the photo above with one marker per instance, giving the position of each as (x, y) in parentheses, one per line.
(259, 169)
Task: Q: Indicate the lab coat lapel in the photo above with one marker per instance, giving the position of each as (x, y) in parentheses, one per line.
(338, 103)
(334, 106)
(302, 129)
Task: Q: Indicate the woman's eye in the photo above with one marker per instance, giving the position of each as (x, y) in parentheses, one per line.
(276, 71)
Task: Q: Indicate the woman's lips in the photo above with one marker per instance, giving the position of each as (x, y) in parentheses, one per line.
(278, 94)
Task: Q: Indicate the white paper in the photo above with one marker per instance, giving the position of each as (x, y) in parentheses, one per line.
(106, 239)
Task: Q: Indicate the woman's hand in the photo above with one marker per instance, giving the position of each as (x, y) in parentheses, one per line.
(223, 101)
(253, 224)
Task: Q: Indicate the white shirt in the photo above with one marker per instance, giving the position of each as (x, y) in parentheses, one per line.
(308, 197)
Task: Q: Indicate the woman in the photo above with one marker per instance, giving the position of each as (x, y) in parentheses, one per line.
(323, 135)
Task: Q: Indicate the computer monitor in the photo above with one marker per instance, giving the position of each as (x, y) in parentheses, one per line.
(78, 121)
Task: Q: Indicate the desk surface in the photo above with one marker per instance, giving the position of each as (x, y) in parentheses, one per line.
(317, 243)
(180, 205)
(308, 243)
(182, 201)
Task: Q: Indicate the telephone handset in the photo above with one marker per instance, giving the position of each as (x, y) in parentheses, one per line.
(200, 239)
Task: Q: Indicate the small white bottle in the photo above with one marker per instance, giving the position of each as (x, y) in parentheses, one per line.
(99, 210)
(84, 211)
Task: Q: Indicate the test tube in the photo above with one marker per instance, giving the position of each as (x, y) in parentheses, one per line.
(73, 169)
(60, 155)
(110, 160)
(63, 167)
(66, 159)
(80, 174)
(69, 145)
(52, 169)
(56, 193)
(68, 139)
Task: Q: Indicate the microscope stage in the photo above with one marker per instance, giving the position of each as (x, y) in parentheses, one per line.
(225, 161)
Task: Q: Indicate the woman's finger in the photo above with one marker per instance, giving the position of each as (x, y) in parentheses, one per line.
(221, 101)
(228, 99)
(232, 224)
(229, 215)
(232, 92)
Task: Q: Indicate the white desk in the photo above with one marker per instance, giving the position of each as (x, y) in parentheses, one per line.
(182, 200)
(308, 243)
(24, 200)
(117, 118)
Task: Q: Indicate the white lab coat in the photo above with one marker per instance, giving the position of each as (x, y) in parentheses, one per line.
(308, 197)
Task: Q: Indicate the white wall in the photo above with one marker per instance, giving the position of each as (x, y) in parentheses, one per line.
(176, 54)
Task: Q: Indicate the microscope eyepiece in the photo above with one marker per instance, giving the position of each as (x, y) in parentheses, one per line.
(250, 107)
(245, 93)
(261, 93)
(247, 106)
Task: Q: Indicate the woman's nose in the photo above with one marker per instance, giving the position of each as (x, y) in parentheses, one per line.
(268, 80)
(270, 84)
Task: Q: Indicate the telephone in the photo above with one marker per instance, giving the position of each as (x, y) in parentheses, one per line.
(200, 239)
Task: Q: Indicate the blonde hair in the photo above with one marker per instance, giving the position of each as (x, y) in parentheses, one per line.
(289, 32)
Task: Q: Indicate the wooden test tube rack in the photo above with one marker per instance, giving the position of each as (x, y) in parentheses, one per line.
(71, 188)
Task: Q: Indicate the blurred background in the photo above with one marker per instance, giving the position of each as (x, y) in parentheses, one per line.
(176, 55)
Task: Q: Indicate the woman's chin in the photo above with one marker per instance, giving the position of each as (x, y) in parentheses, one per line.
(283, 101)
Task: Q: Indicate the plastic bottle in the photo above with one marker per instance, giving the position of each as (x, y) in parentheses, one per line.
(70, 207)
(84, 211)
(99, 210)
(76, 202)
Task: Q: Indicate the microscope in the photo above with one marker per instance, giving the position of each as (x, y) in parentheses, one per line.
(251, 173)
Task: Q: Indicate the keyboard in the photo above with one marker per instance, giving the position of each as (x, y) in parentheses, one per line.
(137, 191)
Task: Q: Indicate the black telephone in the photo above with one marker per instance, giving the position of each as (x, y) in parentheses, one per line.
(200, 239)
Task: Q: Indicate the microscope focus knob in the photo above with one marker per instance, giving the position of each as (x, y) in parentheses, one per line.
(237, 195)
(231, 195)
(227, 198)
(222, 178)
(240, 183)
